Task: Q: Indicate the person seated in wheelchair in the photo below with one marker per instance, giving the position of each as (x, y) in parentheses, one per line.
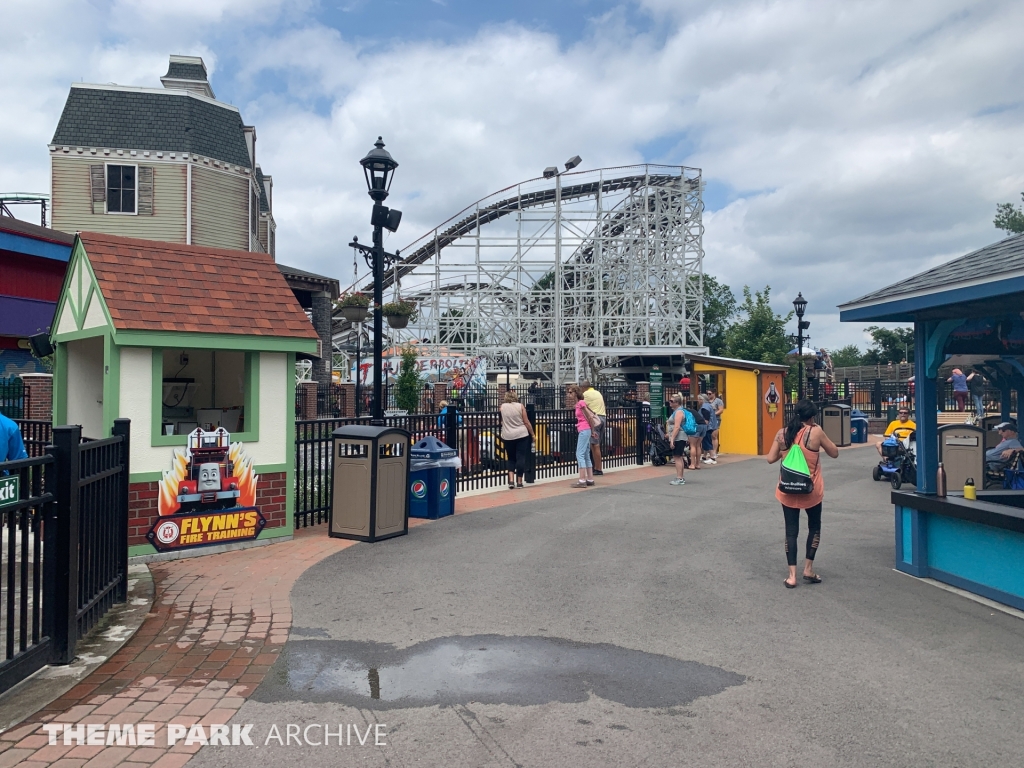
(998, 458)
(902, 427)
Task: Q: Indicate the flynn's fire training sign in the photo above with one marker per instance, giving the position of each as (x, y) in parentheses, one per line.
(210, 528)
(208, 496)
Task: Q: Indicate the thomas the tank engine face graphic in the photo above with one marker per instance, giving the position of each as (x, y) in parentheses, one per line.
(209, 481)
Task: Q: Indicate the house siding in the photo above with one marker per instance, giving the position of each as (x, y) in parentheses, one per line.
(73, 206)
(220, 209)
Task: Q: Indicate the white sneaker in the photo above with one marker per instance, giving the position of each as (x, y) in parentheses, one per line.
(706, 460)
(712, 461)
(678, 481)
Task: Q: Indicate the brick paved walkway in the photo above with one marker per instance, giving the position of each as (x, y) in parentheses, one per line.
(216, 627)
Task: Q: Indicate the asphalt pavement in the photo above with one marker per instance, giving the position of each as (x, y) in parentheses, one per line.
(640, 625)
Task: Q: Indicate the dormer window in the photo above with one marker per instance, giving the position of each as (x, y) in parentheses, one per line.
(122, 188)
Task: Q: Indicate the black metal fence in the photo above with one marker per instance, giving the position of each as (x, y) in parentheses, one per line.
(476, 435)
(13, 399)
(332, 400)
(63, 547)
(36, 435)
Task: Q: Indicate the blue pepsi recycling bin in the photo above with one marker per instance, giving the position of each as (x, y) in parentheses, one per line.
(858, 427)
(432, 468)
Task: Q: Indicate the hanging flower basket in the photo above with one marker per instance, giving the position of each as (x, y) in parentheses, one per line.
(354, 307)
(398, 313)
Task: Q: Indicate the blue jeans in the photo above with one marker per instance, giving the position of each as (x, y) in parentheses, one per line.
(583, 449)
(979, 406)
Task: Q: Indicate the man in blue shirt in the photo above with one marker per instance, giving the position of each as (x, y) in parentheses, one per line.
(12, 447)
(997, 458)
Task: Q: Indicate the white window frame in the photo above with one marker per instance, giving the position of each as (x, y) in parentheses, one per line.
(106, 188)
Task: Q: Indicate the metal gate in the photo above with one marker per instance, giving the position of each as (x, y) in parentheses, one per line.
(63, 547)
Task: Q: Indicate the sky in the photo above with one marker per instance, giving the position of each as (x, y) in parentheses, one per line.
(844, 144)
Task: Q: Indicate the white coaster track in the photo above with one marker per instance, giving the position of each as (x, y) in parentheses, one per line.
(610, 257)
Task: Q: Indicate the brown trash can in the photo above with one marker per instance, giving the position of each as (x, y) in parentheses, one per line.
(370, 496)
(835, 421)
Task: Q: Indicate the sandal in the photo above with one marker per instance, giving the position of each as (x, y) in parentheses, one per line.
(579, 484)
(813, 578)
(788, 585)
(590, 482)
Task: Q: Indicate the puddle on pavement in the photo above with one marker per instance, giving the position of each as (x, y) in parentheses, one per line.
(490, 669)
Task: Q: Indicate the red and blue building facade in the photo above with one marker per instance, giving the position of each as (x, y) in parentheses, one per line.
(33, 261)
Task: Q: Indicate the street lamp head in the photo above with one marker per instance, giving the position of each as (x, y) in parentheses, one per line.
(379, 168)
(572, 162)
(800, 304)
(550, 172)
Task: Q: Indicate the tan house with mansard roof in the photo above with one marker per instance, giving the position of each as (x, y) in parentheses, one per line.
(171, 164)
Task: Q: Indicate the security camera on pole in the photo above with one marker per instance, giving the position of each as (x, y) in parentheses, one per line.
(379, 169)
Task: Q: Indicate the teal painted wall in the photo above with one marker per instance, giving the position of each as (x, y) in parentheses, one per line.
(908, 540)
(989, 556)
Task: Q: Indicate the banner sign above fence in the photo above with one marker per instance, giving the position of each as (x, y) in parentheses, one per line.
(197, 530)
(9, 490)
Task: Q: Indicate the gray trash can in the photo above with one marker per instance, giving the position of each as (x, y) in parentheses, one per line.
(962, 453)
(370, 478)
(835, 421)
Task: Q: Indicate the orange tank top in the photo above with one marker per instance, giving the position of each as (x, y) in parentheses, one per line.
(803, 500)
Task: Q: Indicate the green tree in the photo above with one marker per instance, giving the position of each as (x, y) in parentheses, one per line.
(719, 312)
(1009, 219)
(407, 385)
(891, 345)
(760, 334)
(846, 357)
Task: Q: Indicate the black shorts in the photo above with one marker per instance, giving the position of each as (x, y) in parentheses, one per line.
(680, 447)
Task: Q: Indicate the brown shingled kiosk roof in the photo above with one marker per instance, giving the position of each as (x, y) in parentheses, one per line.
(155, 286)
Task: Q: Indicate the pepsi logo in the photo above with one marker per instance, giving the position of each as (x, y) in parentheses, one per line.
(419, 489)
(444, 489)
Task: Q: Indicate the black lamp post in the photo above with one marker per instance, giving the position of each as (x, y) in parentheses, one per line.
(379, 168)
(506, 360)
(800, 305)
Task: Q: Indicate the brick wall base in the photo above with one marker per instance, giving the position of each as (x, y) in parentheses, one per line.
(38, 395)
(271, 499)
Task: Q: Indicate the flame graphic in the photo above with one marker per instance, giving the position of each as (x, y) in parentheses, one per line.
(247, 479)
(168, 487)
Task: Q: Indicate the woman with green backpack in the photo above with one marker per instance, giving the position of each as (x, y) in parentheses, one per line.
(800, 484)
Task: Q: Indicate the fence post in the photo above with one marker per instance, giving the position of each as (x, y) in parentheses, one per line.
(65, 553)
(451, 427)
(531, 457)
(641, 433)
(123, 429)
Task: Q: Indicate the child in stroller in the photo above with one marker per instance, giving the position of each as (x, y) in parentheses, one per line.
(658, 447)
(898, 464)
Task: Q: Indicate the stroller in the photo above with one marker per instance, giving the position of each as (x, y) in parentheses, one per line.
(898, 464)
(658, 447)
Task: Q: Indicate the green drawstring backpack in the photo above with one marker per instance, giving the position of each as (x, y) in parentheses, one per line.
(795, 475)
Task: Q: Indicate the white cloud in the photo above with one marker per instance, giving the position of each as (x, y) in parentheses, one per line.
(860, 142)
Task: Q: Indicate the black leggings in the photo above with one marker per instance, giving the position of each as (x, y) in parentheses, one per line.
(516, 451)
(793, 530)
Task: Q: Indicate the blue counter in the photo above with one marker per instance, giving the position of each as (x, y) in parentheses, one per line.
(974, 545)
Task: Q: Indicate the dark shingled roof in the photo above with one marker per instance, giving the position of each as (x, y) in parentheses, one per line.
(168, 122)
(992, 262)
(182, 71)
(264, 201)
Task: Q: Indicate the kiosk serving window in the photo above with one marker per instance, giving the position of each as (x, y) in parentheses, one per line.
(206, 388)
